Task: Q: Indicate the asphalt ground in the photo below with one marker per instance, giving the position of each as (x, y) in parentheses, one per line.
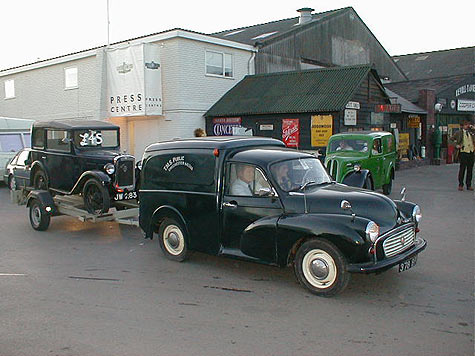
(101, 289)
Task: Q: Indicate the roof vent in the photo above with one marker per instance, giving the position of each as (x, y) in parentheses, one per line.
(305, 15)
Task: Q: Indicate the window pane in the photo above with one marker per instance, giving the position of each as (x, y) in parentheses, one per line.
(23, 157)
(10, 143)
(228, 65)
(9, 89)
(214, 63)
(71, 77)
(39, 138)
(54, 140)
(96, 138)
(241, 180)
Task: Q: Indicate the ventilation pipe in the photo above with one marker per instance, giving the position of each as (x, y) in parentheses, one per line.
(305, 15)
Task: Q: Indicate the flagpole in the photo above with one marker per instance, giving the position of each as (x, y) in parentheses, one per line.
(108, 25)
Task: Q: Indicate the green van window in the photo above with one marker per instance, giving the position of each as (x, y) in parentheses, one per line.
(193, 171)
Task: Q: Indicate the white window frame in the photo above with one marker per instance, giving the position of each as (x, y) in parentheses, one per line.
(9, 91)
(66, 87)
(223, 54)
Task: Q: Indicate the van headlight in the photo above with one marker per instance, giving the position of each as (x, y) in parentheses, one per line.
(357, 167)
(109, 168)
(372, 231)
(416, 214)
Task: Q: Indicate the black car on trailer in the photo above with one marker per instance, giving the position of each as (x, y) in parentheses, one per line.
(72, 156)
(254, 199)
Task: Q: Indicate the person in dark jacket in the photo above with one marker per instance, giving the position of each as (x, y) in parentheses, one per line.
(464, 141)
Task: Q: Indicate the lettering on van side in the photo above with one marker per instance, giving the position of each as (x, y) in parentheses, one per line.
(175, 162)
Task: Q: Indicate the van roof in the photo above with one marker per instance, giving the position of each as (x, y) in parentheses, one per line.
(211, 142)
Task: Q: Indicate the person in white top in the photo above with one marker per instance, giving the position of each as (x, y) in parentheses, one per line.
(243, 185)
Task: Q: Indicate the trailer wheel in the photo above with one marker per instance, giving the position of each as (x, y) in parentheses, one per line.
(39, 218)
(96, 197)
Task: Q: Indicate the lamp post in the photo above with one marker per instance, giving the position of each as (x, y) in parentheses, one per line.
(437, 134)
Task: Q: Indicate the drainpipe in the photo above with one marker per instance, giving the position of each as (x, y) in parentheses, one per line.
(253, 56)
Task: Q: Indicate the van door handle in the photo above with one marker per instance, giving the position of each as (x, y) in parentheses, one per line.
(231, 204)
(43, 157)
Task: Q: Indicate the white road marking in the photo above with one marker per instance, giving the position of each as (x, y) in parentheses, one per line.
(11, 274)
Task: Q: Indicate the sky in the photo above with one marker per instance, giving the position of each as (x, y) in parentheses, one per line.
(32, 30)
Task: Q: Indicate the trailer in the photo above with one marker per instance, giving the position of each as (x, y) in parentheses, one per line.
(43, 205)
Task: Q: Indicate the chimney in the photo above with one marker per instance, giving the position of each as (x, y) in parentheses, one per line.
(305, 15)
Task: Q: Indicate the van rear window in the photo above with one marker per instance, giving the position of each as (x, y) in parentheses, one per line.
(181, 171)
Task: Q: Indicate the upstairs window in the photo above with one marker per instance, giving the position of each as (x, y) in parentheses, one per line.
(9, 89)
(70, 78)
(219, 64)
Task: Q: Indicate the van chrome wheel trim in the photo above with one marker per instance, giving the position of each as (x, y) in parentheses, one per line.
(173, 240)
(319, 268)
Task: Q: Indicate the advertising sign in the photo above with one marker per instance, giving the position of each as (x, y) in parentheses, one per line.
(223, 126)
(350, 117)
(353, 105)
(413, 122)
(465, 105)
(403, 141)
(291, 132)
(321, 130)
(134, 81)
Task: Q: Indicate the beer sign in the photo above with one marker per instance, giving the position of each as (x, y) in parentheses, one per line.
(291, 132)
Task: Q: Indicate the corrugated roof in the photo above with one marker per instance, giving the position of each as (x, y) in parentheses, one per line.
(406, 105)
(250, 34)
(437, 64)
(316, 90)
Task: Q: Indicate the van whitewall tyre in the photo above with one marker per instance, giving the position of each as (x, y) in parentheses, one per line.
(321, 268)
(172, 240)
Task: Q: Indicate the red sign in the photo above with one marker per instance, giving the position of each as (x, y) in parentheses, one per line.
(394, 108)
(291, 132)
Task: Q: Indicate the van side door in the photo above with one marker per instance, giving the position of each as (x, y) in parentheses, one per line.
(250, 210)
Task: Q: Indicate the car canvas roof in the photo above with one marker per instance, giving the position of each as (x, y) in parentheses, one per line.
(74, 124)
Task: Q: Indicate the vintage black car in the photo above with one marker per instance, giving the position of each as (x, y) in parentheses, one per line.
(254, 199)
(82, 157)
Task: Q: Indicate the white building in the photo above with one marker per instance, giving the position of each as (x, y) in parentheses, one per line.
(196, 70)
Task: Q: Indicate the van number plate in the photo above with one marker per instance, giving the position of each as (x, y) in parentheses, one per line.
(404, 266)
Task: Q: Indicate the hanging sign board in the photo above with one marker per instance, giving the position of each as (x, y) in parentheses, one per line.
(134, 81)
(291, 132)
(413, 122)
(350, 117)
(391, 108)
(321, 130)
(353, 105)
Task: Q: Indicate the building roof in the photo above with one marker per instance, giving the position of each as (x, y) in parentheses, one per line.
(271, 30)
(427, 65)
(410, 89)
(315, 90)
(406, 105)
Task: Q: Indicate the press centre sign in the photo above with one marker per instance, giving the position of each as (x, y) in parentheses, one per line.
(134, 81)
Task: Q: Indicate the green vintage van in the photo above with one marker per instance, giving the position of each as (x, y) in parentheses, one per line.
(364, 159)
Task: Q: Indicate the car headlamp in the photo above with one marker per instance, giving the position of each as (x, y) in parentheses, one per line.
(372, 231)
(357, 167)
(109, 168)
(416, 214)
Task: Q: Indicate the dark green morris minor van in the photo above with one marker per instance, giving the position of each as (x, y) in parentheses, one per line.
(254, 199)
(364, 159)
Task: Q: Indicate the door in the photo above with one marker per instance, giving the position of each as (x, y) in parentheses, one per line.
(250, 210)
(58, 160)
(21, 170)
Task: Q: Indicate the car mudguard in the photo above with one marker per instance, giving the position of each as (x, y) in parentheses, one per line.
(35, 166)
(102, 177)
(344, 231)
(356, 178)
(160, 212)
(405, 208)
(45, 198)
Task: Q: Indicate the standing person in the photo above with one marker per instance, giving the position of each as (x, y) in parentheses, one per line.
(464, 141)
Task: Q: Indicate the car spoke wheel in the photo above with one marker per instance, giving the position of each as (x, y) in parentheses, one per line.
(39, 218)
(321, 268)
(96, 198)
(39, 181)
(172, 239)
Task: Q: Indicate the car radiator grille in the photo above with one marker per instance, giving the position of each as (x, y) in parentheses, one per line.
(399, 242)
(125, 172)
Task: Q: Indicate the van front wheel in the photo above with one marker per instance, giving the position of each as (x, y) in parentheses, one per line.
(172, 239)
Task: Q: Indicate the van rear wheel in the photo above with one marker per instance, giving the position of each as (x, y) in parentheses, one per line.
(172, 239)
